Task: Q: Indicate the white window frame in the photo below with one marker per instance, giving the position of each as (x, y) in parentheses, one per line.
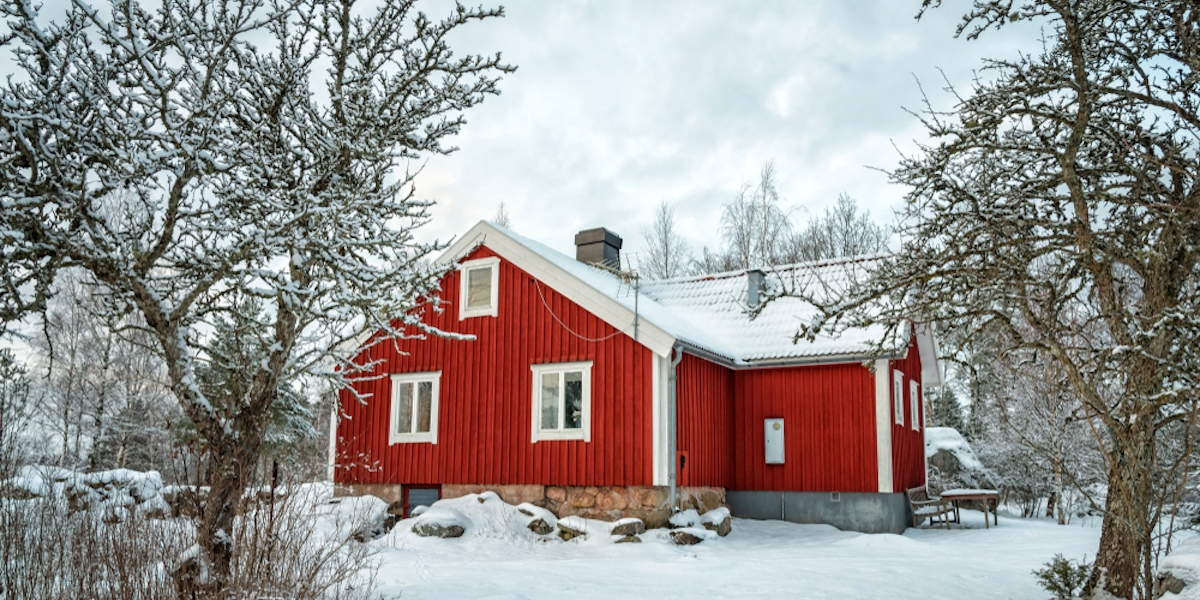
(430, 436)
(493, 307)
(585, 430)
(914, 403)
(898, 396)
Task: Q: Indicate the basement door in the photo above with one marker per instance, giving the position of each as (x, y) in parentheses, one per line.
(420, 496)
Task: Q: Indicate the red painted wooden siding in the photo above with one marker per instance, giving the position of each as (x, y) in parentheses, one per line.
(486, 401)
(908, 446)
(705, 421)
(829, 429)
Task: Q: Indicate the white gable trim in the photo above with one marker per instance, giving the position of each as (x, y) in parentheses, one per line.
(592, 300)
(931, 366)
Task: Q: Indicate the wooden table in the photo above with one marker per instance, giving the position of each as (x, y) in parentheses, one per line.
(985, 496)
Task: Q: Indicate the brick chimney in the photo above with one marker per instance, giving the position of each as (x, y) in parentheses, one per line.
(598, 245)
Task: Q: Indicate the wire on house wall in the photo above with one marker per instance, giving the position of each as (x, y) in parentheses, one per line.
(564, 325)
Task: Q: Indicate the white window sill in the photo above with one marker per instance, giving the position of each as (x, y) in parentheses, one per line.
(468, 313)
(412, 438)
(578, 435)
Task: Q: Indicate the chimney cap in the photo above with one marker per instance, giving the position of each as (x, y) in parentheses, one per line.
(599, 234)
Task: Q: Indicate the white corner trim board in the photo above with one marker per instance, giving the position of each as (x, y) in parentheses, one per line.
(883, 425)
(658, 409)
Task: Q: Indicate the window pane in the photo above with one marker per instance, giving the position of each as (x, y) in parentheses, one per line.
(479, 287)
(404, 410)
(549, 401)
(573, 396)
(424, 405)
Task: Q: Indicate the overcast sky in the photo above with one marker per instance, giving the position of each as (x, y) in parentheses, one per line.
(617, 106)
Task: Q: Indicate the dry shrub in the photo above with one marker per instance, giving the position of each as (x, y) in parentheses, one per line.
(301, 548)
(293, 548)
(46, 551)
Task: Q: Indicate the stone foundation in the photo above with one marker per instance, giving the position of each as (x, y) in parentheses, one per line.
(392, 493)
(648, 503)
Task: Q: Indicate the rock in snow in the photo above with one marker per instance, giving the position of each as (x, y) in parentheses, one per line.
(717, 520)
(690, 536)
(1179, 572)
(441, 522)
(541, 527)
(627, 527)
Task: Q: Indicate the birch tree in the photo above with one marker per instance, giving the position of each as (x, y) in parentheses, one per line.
(666, 250)
(190, 152)
(1059, 202)
(841, 231)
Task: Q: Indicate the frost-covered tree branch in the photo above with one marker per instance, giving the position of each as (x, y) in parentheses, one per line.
(1060, 205)
(194, 154)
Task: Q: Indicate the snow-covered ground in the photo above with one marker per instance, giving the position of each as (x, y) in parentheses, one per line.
(758, 559)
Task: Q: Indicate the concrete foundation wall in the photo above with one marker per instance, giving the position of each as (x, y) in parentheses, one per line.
(848, 511)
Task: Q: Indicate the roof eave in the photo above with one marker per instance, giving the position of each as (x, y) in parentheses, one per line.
(775, 363)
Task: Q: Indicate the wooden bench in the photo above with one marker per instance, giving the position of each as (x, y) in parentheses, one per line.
(935, 509)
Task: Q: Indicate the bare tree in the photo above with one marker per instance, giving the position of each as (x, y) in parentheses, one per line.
(198, 151)
(1059, 204)
(755, 224)
(841, 231)
(666, 251)
(502, 219)
(15, 396)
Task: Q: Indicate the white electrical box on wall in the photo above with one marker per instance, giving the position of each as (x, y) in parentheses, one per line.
(774, 441)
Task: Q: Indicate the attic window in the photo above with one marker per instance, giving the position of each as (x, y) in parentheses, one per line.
(562, 402)
(479, 288)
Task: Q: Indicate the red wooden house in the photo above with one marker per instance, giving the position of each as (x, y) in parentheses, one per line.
(591, 394)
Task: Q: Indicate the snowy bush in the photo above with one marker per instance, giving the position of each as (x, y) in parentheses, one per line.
(297, 547)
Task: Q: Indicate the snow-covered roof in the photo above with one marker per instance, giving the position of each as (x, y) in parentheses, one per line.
(708, 314)
(719, 301)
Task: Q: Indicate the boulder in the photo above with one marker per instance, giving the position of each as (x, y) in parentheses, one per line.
(690, 536)
(540, 527)
(628, 527)
(717, 520)
(722, 529)
(435, 529)
(682, 537)
(1179, 571)
(629, 539)
(571, 528)
(441, 522)
(1168, 582)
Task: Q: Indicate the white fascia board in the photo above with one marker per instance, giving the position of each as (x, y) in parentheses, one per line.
(592, 300)
(931, 366)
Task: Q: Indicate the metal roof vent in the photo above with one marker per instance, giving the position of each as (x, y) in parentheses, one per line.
(755, 280)
(598, 245)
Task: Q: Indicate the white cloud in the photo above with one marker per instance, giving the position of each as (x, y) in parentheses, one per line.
(618, 105)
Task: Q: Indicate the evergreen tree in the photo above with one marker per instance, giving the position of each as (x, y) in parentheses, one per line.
(945, 411)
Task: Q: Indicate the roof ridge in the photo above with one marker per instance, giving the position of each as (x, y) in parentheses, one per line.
(820, 262)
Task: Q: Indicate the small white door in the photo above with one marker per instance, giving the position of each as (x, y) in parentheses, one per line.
(774, 441)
